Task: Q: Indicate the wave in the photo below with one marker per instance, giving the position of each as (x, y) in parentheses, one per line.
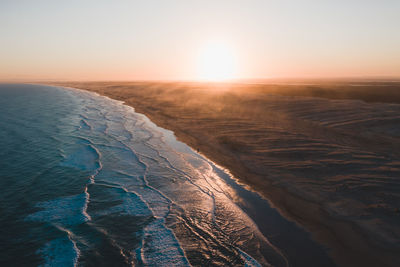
(160, 246)
(64, 211)
(86, 157)
(62, 251)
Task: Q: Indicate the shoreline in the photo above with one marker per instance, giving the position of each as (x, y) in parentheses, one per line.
(324, 228)
(348, 244)
(251, 202)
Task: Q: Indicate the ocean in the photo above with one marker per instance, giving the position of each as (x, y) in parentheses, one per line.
(87, 181)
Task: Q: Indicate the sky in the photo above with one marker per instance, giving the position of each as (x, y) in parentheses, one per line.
(167, 40)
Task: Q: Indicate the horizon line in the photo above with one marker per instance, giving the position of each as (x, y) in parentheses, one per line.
(246, 80)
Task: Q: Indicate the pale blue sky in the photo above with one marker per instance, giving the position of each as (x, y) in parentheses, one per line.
(161, 39)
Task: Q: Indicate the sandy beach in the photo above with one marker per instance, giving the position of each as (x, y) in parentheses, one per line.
(327, 155)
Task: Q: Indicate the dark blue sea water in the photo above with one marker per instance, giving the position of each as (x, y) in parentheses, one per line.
(87, 181)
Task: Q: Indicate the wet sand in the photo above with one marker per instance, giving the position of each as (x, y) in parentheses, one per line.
(319, 153)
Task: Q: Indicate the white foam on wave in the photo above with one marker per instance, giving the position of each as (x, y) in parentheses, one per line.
(61, 213)
(61, 251)
(65, 211)
(160, 246)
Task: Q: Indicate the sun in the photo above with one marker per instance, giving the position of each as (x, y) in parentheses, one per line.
(217, 62)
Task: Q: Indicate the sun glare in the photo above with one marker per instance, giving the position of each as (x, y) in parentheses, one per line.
(217, 62)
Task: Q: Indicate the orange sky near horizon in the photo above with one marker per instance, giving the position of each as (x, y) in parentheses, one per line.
(170, 40)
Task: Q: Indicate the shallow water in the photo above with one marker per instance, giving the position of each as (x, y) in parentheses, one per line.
(87, 181)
